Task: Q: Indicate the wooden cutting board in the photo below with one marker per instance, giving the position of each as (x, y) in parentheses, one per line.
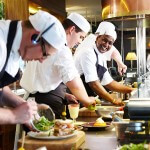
(63, 144)
(85, 112)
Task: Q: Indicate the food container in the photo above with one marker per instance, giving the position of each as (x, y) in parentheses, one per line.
(119, 113)
(105, 111)
(43, 120)
(120, 128)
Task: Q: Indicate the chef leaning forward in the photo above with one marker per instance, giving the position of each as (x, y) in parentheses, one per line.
(92, 66)
(113, 53)
(32, 40)
(46, 82)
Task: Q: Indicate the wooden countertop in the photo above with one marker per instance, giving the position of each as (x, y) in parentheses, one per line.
(85, 112)
(63, 144)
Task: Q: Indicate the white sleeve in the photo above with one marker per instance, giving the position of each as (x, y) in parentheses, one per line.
(3, 52)
(65, 65)
(28, 80)
(106, 78)
(88, 63)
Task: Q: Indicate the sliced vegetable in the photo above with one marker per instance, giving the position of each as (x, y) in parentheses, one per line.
(92, 107)
(98, 101)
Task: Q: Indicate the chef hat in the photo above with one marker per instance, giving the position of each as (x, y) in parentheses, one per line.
(80, 21)
(50, 28)
(106, 28)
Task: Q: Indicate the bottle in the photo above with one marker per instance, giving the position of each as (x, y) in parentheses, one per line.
(115, 117)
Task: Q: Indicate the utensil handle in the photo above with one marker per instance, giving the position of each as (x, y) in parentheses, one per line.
(23, 138)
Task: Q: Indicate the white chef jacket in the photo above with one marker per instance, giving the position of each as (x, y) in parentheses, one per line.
(13, 61)
(88, 43)
(46, 76)
(85, 62)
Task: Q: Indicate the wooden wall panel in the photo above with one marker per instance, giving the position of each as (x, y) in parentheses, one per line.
(16, 9)
(56, 6)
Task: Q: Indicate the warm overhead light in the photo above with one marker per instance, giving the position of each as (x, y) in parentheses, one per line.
(131, 56)
(39, 7)
(105, 11)
(32, 10)
(148, 44)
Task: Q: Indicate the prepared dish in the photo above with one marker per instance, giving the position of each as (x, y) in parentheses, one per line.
(63, 127)
(43, 124)
(100, 123)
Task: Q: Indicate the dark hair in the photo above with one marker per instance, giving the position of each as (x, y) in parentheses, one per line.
(67, 23)
(28, 24)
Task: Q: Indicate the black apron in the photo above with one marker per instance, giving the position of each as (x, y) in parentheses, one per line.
(55, 99)
(5, 78)
(100, 72)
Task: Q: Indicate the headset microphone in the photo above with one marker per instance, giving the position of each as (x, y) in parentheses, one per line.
(36, 37)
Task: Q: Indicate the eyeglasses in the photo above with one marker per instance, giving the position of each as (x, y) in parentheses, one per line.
(42, 40)
(43, 48)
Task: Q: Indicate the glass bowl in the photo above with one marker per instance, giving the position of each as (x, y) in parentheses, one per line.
(105, 111)
(43, 121)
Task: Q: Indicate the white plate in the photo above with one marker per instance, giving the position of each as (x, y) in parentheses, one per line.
(39, 135)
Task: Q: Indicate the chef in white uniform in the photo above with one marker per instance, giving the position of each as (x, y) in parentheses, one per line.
(113, 53)
(33, 39)
(91, 64)
(46, 81)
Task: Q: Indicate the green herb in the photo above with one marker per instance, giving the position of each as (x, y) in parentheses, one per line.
(132, 146)
(43, 124)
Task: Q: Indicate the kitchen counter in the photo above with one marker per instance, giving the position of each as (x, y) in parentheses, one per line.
(100, 140)
(94, 140)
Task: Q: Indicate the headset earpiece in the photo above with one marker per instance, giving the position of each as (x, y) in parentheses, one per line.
(34, 39)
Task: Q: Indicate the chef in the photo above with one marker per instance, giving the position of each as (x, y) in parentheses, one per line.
(32, 40)
(113, 53)
(46, 84)
(91, 64)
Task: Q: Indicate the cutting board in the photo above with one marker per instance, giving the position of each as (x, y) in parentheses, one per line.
(85, 112)
(63, 144)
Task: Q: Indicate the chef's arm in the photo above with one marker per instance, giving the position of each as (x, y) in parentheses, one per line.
(8, 98)
(122, 68)
(22, 111)
(77, 88)
(100, 90)
(115, 86)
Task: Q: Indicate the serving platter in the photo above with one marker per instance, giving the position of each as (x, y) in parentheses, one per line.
(46, 136)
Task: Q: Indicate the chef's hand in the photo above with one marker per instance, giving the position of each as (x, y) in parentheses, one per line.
(91, 102)
(71, 98)
(118, 102)
(24, 112)
(122, 68)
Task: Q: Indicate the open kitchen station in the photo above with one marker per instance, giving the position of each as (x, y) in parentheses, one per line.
(74, 75)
